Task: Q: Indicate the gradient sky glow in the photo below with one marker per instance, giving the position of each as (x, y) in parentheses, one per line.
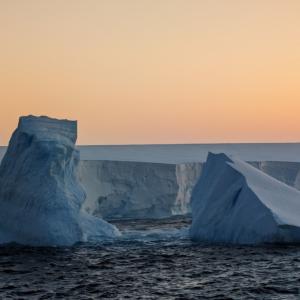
(154, 71)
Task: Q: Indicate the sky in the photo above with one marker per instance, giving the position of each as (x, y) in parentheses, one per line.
(154, 71)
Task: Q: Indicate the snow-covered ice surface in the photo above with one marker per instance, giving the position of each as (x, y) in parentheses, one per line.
(234, 202)
(175, 154)
(183, 153)
(189, 153)
(40, 195)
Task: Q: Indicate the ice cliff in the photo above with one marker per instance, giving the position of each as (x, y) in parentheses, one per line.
(187, 176)
(286, 172)
(118, 189)
(234, 202)
(129, 189)
(40, 195)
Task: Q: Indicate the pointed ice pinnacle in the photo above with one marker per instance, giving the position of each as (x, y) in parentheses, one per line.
(235, 203)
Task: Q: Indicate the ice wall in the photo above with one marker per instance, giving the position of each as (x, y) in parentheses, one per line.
(118, 189)
(40, 195)
(286, 172)
(129, 189)
(186, 176)
(297, 181)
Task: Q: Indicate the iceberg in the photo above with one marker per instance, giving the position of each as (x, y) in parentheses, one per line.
(233, 202)
(40, 196)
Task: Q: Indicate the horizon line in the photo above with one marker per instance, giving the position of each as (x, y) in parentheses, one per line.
(184, 144)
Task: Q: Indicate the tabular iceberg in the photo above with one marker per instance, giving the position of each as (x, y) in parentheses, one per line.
(40, 195)
(235, 203)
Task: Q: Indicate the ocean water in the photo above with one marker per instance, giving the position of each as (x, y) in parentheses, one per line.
(153, 260)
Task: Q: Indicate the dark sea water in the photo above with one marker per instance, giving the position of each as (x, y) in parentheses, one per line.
(154, 260)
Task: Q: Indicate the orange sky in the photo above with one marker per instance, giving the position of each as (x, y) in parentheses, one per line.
(154, 71)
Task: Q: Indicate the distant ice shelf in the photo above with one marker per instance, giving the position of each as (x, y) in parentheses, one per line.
(183, 153)
(175, 154)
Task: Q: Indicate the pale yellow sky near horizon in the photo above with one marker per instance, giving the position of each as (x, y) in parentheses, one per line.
(154, 71)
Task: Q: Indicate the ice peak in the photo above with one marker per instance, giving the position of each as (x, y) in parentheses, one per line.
(218, 156)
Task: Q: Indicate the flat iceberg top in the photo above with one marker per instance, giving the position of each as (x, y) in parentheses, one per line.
(282, 200)
(48, 129)
(184, 153)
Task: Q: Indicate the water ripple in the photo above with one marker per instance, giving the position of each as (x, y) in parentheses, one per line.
(150, 268)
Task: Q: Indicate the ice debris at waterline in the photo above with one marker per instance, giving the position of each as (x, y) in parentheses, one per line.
(40, 196)
(235, 203)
